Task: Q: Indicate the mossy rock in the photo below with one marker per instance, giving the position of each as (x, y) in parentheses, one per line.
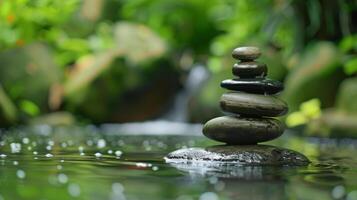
(347, 95)
(28, 72)
(317, 75)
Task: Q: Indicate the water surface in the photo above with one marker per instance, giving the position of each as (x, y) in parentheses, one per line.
(109, 163)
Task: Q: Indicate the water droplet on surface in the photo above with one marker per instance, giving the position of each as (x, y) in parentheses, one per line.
(338, 192)
(155, 168)
(15, 147)
(62, 178)
(3, 156)
(35, 153)
(20, 174)
(98, 155)
(80, 149)
(118, 153)
(25, 140)
(49, 155)
(15, 162)
(74, 190)
(59, 167)
(143, 164)
(101, 143)
(117, 188)
(110, 151)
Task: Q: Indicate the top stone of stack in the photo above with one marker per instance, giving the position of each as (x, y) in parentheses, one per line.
(246, 53)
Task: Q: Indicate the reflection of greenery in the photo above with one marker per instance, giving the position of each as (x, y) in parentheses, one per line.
(102, 52)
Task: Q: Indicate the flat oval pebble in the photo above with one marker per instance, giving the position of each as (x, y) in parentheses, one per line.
(246, 53)
(252, 104)
(256, 86)
(238, 130)
(228, 155)
(249, 69)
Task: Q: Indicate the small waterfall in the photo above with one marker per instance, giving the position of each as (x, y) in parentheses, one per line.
(196, 77)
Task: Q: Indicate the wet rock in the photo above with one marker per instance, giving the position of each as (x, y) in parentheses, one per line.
(253, 104)
(246, 53)
(249, 69)
(238, 130)
(256, 86)
(246, 155)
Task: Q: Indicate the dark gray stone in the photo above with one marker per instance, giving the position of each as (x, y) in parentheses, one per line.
(256, 85)
(253, 104)
(246, 53)
(249, 69)
(245, 155)
(238, 130)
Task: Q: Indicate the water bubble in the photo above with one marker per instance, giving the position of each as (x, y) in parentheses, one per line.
(59, 167)
(35, 153)
(15, 147)
(110, 151)
(15, 162)
(49, 155)
(25, 140)
(98, 155)
(62, 178)
(20, 174)
(118, 153)
(29, 148)
(338, 192)
(209, 196)
(49, 148)
(82, 154)
(155, 168)
(3, 156)
(74, 190)
(101, 143)
(62, 161)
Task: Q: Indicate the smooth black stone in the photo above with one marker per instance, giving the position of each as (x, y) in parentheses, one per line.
(249, 69)
(252, 104)
(243, 155)
(256, 86)
(242, 131)
(246, 53)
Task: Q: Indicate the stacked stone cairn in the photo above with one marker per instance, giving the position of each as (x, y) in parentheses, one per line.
(250, 104)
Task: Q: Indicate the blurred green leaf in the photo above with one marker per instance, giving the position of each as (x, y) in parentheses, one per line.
(308, 110)
(350, 66)
(7, 106)
(29, 108)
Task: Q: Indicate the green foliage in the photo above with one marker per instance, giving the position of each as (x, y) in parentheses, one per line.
(70, 55)
(309, 110)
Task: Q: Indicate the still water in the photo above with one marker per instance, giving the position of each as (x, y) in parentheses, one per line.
(45, 163)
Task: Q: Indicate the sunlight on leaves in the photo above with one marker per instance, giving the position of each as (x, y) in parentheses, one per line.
(308, 110)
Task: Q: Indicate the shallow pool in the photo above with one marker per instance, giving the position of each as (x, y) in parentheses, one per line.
(106, 163)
